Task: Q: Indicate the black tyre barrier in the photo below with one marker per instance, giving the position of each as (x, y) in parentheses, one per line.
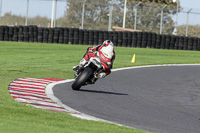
(115, 38)
(111, 35)
(149, 40)
(190, 43)
(20, 34)
(26, 33)
(139, 39)
(198, 44)
(26, 29)
(153, 43)
(162, 42)
(134, 39)
(158, 41)
(120, 37)
(95, 37)
(129, 42)
(35, 33)
(45, 35)
(15, 35)
(71, 35)
(144, 39)
(66, 35)
(124, 39)
(172, 42)
(181, 43)
(11, 33)
(40, 35)
(56, 35)
(50, 36)
(61, 36)
(167, 43)
(176, 45)
(76, 36)
(195, 44)
(86, 37)
(81, 36)
(91, 37)
(185, 43)
(105, 35)
(6, 33)
(101, 37)
(2, 33)
(31, 34)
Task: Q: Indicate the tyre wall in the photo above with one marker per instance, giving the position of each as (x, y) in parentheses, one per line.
(95, 37)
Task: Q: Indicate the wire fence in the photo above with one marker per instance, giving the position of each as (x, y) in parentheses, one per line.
(103, 14)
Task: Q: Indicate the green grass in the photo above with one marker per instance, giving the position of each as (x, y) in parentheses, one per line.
(34, 60)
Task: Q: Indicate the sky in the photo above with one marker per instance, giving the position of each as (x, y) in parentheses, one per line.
(44, 7)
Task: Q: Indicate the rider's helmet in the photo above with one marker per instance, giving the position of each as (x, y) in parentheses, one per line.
(107, 49)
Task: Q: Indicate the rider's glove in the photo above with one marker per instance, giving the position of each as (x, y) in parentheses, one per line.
(101, 75)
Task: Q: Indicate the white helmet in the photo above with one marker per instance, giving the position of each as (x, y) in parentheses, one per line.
(107, 50)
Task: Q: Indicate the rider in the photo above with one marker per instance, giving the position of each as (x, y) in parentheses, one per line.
(106, 53)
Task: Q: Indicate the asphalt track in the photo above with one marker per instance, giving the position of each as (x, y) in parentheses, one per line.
(162, 99)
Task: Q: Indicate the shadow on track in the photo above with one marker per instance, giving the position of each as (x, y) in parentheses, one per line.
(103, 92)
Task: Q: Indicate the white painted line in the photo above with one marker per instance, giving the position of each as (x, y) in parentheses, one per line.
(36, 79)
(28, 89)
(14, 84)
(32, 80)
(26, 93)
(36, 98)
(29, 83)
(134, 67)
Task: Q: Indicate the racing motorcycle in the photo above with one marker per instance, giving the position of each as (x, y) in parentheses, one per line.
(87, 74)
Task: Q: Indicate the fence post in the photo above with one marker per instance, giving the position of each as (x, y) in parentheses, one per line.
(54, 2)
(186, 33)
(110, 16)
(161, 19)
(83, 12)
(135, 7)
(55, 13)
(27, 8)
(124, 19)
(177, 16)
(0, 10)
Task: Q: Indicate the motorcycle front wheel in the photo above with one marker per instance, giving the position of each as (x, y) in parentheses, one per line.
(82, 78)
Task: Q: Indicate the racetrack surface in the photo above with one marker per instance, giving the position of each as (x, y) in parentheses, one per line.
(163, 99)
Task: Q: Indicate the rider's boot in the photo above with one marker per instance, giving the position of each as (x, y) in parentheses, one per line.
(82, 63)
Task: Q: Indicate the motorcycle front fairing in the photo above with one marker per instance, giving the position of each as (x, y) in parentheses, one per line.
(94, 65)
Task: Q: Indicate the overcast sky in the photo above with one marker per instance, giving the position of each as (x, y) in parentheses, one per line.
(43, 8)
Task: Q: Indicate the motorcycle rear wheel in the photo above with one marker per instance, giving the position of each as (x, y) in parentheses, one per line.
(82, 78)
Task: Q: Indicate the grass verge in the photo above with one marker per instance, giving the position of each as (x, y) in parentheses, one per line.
(35, 60)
